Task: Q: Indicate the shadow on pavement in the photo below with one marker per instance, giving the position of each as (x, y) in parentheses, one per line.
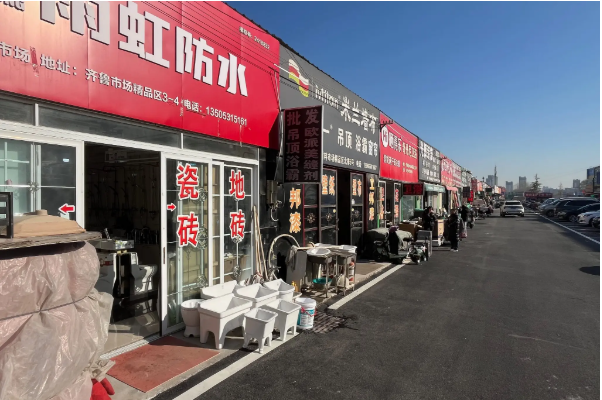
(591, 270)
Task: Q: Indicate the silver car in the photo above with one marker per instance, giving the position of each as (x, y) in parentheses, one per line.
(512, 207)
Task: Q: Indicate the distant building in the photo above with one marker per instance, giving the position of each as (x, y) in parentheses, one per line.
(547, 189)
(491, 180)
(509, 186)
(522, 183)
(576, 183)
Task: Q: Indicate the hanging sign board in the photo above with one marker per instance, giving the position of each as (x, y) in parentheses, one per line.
(466, 191)
(303, 145)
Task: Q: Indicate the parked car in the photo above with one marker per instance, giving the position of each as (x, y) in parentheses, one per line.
(587, 217)
(573, 204)
(548, 209)
(573, 215)
(596, 222)
(512, 207)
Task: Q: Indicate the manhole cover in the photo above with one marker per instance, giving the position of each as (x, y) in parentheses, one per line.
(324, 323)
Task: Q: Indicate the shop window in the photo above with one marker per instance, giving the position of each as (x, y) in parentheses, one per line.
(16, 111)
(105, 127)
(408, 205)
(41, 176)
(238, 221)
(200, 143)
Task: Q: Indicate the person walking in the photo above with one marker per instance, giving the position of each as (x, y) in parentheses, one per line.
(464, 213)
(453, 223)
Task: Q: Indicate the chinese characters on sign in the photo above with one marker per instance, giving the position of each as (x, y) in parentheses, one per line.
(303, 145)
(187, 181)
(188, 229)
(429, 162)
(350, 131)
(371, 202)
(413, 189)
(237, 218)
(399, 152)
(447, 174)
(295, 217)
(138, 60)
(381, 203)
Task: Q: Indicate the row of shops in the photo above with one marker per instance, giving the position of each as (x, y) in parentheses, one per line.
(168, 124)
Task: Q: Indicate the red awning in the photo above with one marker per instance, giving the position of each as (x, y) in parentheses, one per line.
(451, 188)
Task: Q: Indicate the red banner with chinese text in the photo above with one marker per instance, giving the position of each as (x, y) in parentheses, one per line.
(398, 153)
(196, 66)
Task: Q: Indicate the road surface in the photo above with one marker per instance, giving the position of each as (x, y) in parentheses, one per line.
(513, 315)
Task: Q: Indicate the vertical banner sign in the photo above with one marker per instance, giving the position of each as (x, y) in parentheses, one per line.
(187, 180)
(372, 182)
(303, 145)
(237, 218)
(396, 203)
(447, 176)
(381, 203)
(295, 217)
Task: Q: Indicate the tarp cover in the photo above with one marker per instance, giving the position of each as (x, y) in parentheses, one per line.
(53, 323)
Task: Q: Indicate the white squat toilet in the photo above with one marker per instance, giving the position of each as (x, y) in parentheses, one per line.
(190, 315)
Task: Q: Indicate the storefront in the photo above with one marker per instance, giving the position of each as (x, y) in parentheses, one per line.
(466, 185)
(399, 171)
(429, 172)
(349, 151)
(147, 142)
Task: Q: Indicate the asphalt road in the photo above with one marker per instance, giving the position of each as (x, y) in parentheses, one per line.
(586, 230)
(513, 315)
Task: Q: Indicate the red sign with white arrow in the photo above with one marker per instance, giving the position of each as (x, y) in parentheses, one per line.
(171, 207)
(66, 208)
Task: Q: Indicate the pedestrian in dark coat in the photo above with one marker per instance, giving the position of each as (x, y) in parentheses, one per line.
(428, 219)
(465, 213)
(453, 223)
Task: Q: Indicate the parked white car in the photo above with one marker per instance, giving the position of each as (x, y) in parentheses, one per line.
(586, 218)
(512, 207)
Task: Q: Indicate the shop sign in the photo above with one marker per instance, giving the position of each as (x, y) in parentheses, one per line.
(429, 163)
(328, 185)
(466, 191)
(474, 185)
(350, 132)
(200, 67)
(398, 153)
(303, 145)
(188, 230)
(187, 181)
(466, 178)
(447, 171)
(381, 203)
(434, 188)
(413, 189)
(457, 175)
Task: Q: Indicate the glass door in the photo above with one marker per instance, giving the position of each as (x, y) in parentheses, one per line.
(189, 238)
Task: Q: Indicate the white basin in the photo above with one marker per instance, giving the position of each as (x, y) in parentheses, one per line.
(349, 248)
(259, 324)
(218, 290)
(285, 291)
(318, 251)
(221, 315)
(257, 294)
(288, 313)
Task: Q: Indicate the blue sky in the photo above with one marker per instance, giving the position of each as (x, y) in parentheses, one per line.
(508, 83)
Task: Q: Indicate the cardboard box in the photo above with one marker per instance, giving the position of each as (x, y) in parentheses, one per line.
(411, 228)
(439, 227)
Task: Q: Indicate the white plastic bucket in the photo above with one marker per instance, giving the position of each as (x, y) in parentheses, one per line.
(306, 315)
